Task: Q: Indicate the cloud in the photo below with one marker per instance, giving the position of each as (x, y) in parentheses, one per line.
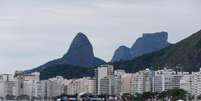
(34, 32)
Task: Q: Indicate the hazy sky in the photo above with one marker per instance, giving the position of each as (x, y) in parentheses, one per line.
(33, 32)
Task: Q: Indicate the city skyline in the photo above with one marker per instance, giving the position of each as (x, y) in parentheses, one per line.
(34, 32)
(105, 82)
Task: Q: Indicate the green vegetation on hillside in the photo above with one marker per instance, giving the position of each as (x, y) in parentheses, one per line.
(66, 71)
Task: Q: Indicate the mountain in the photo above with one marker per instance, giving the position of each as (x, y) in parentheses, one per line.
(148, 43)
(122, 53)
(79, 54)
(186, 54)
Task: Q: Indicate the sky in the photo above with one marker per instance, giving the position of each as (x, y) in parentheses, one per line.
(32, 32)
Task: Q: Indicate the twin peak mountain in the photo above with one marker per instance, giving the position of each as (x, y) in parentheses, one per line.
(81, 52)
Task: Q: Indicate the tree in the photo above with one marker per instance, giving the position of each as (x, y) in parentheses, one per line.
(137, 97)
(148, 95)
(173, 94)
(163, 95)
(126, 97)
(199, 97)
(10, 97)
(177, 94)
(23, 97)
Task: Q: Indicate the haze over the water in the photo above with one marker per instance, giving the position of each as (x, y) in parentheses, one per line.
(33, 32)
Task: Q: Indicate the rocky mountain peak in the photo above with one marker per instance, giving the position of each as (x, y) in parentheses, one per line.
(80, 53)
(80, 46)
(80, 36)
(158, 35)
(122, 53)
(148, 43)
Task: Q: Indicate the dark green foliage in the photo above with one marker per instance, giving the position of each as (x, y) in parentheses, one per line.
(148, 95)
(23, 97)
(186, 53)
(198, 45)
(66, 71)
(173, 94)
(126, 97)
(199, 97)
(10, 97)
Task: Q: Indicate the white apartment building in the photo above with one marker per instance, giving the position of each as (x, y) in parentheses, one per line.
(137, 82)
(167, 79)
(56, 86)
(7, 85)
(71, 88)
(30, 82)
(26, 84)
(195, 83)
(80, 86)
(42, 89)
(186, 83)
(126, 83)
(192, 83)
(119, 72)
(116, 85)
(101, 72)
(141, 81)
(30, 85)
(107, 81)
(32, 77)
(105, 87)
(110, 85)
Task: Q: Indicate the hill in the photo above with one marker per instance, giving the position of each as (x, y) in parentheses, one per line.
(186, 54)
(79, 54)
(148, 43)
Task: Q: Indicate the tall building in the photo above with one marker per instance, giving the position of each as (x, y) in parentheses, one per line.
(26, 84)
(108, 82)
(56, 86)
(19, 76)
(192, 83)
(196, 83)
(116, 85)
(167, 79)
(80, 86)
(7, 84)
(141, 81)
(32, 77)
(186, 83)
(126, 83)
(102, 72)
(42, 89)
(105, 88)
(30, 88)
